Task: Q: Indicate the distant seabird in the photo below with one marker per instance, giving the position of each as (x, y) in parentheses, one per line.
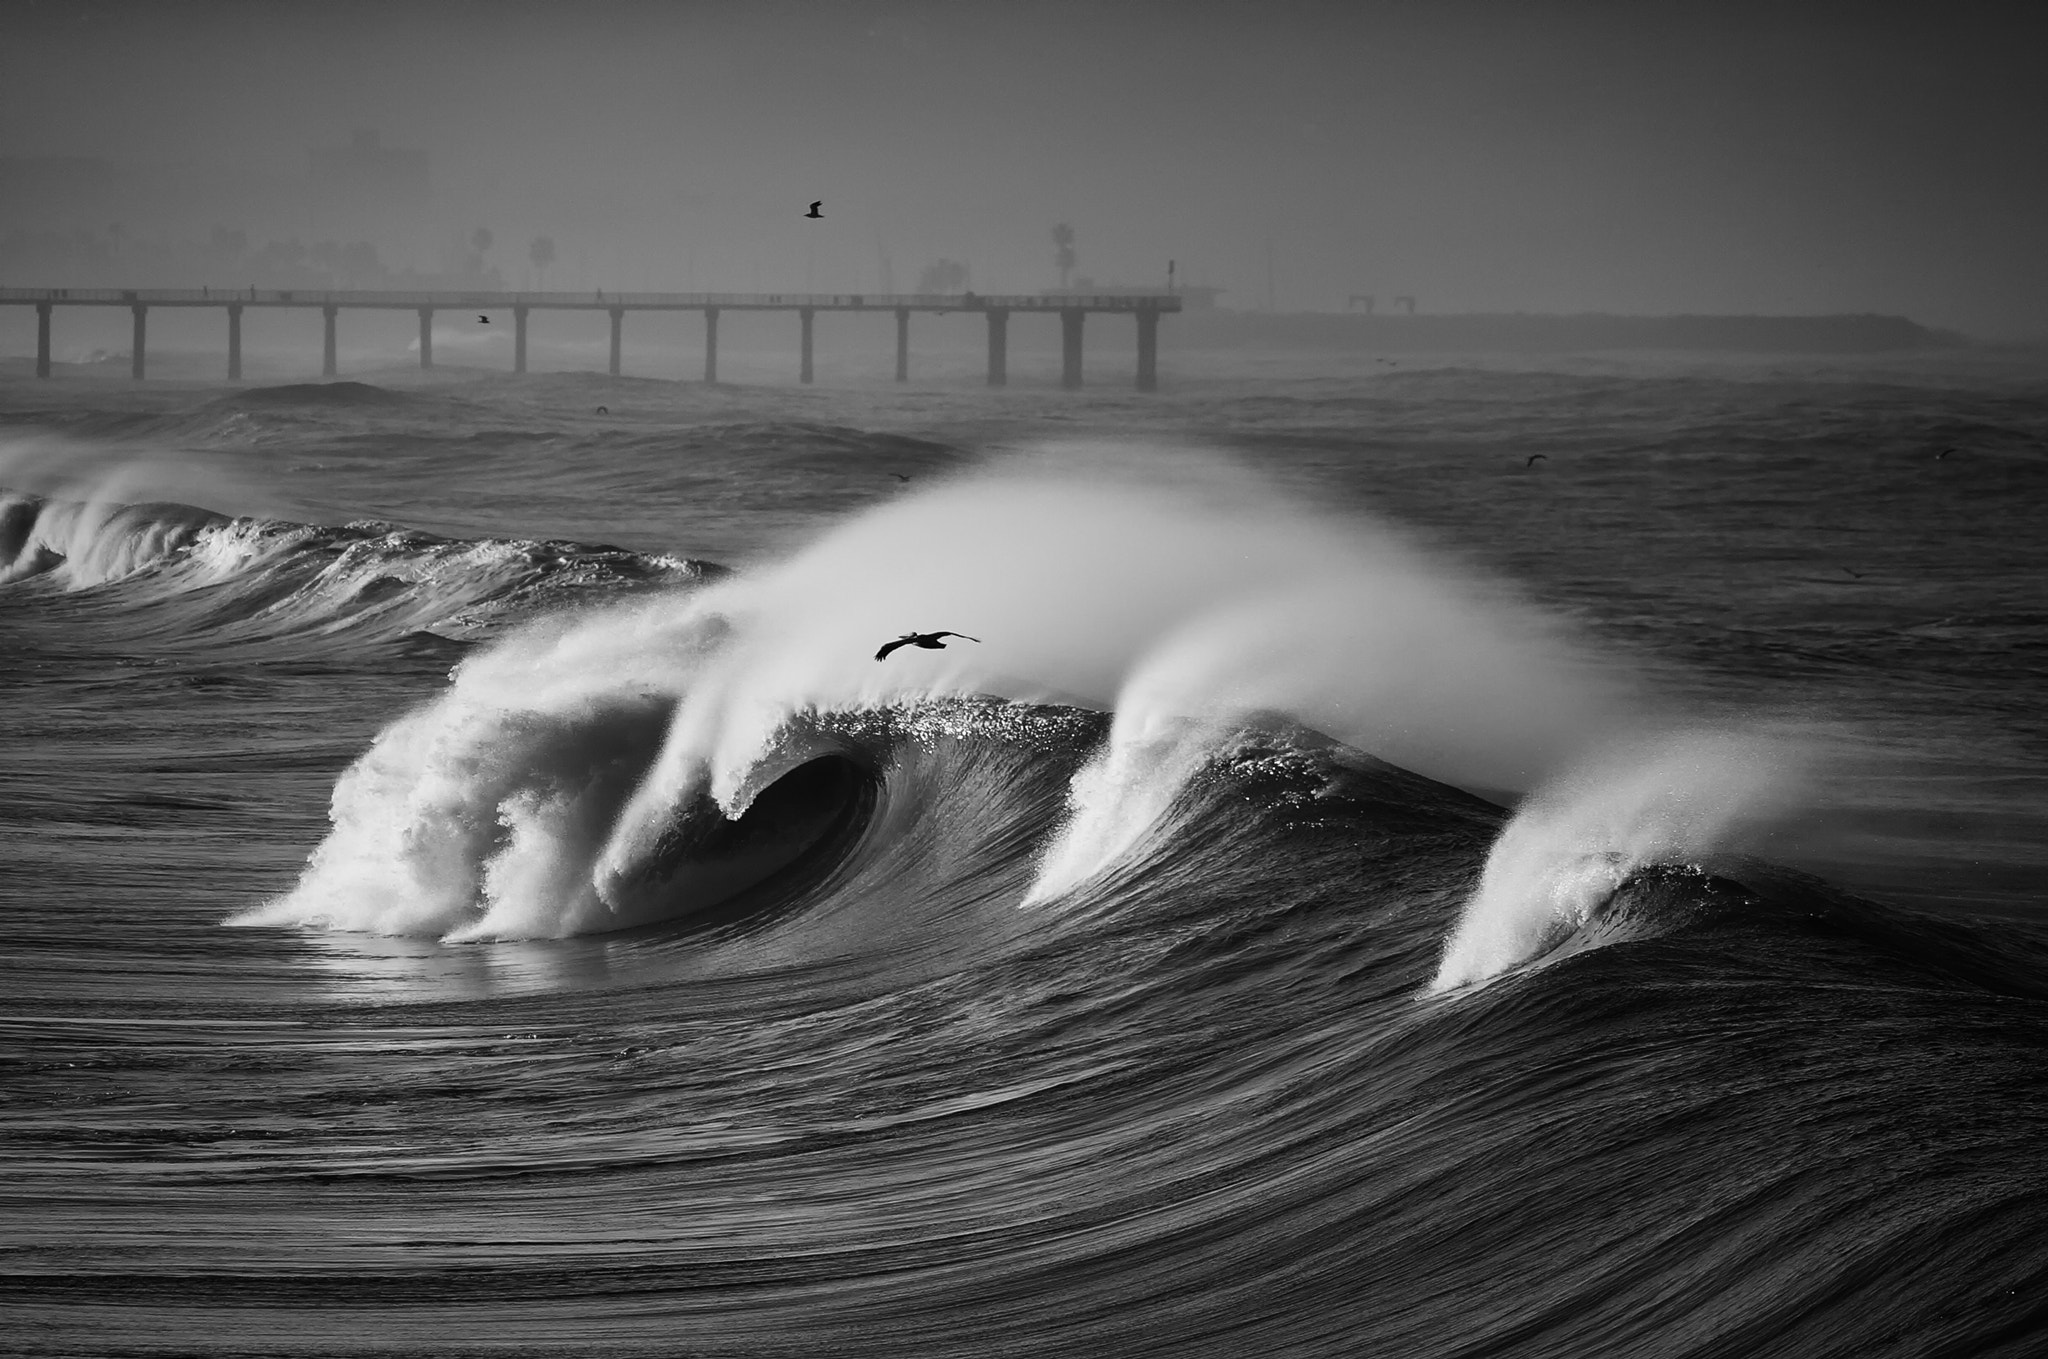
(930, 641)
(1535, 458)
(604, 410)
(899, 476)
(483, 319)
(1943, 454)
(814, 209)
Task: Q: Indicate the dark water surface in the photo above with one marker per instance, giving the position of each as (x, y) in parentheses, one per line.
(675, 979)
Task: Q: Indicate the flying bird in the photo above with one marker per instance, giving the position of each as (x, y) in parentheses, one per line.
(930, 641)
(899, 476)
(483, 319)
(814, 209)
(1535, 458)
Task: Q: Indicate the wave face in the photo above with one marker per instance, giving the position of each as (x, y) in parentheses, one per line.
(1276, 934)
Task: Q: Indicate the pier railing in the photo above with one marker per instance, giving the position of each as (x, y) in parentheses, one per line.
(410, 299)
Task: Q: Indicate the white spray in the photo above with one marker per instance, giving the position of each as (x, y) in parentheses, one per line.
(1344, 625)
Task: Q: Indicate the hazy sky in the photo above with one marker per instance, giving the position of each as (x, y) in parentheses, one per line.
(1526, 156)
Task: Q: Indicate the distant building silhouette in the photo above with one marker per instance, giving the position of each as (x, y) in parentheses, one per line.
(947, 276)
(367, 190)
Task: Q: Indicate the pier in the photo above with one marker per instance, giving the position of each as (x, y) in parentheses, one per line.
(1072, 310)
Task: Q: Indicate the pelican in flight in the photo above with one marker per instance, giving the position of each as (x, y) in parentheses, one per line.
(930, 641)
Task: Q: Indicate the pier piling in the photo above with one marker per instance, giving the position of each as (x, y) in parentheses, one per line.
(998, 347)
(43, 310)
(1148, 351)
(426, 337)
(519, 339)
(903, 344)
(711, 344)
(135, 364)
(808, 315)
(618, 335)
(328, 367)
(1070, 346)
(234, 342)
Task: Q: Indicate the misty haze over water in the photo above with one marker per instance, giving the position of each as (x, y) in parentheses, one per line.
(1486, 157)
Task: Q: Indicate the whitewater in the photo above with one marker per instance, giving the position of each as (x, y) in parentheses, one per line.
(473, 889)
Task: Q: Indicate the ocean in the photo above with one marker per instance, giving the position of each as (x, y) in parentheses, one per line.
(1408, 857)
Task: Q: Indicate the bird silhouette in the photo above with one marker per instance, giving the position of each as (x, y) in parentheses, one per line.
(604, 410)
(899, 476)
(1943, 454)
(814, 209)
(1854, 575)
(1535, 458)
(483, 319)
(930, 641)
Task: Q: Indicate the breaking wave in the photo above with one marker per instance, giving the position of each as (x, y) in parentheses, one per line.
(597, 771)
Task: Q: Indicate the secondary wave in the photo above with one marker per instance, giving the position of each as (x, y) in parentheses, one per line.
(1554, 877)
(211, 577)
